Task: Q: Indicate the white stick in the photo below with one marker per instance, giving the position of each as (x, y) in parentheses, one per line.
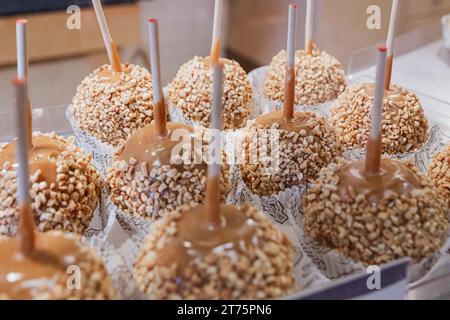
(391, 30)
(155, 59)
(217, 22)
(291, 35)
(21, 44)
(377, 111)
(22, 148)
(309, 23)
(216, 118)
(103, 27)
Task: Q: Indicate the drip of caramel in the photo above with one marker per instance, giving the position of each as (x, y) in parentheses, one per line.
(43, 154)
(393, 176)
(387, 80)
(145, 145)
(289, 94)
(29, 123)
(160, 117)
(393, 94)
(309, 47)
(194, 239)
(373, 156)
(110, 75)
(215, 52)
(297, 123)
(116, 64)
(212, 201)
(25, 234)
(22, 275)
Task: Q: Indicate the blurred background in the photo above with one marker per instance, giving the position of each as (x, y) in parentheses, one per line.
(254, 30)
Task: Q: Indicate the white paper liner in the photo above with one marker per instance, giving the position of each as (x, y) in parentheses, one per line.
(420, 158)
(265, 105)
(102, 220)
(116, 267)
(102, 153)
(131, 224)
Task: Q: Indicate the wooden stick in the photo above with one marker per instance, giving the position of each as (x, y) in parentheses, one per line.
(309, 27)
(25, 232)
(110, 47)
(213, 190)
(373, 148)
(289, 85)
(215, 43)
(390, 44)
(158, 97)
(22, 68)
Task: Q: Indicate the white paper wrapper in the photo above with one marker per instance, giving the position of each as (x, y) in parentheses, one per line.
(102, 222)
(421, 157)
(101, 152)
(131, 224)
(116, 267)
(265, 105)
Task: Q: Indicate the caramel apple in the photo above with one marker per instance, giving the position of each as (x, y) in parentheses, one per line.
(284, 148)
(376, 210)
(215, 251)
(64, 186)
(439, 171)
(405, 127)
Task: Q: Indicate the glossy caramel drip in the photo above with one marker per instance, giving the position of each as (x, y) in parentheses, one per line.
(25, 233)
(110, 75)
(160, 117)
(215, 52)
(393, 94)
(212, 201)
(289, 94)
(297, 123)
(43, 155)
(21, 276)
(393, 176)
(387, 80)
(194, 239)
(373, 155)
(116, 64)
(146, 145)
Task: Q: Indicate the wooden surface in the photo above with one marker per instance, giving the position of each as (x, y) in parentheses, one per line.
(49, 38)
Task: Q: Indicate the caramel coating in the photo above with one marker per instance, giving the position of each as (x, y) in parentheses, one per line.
(404, 126)
(439, 171)
(64, 185)
(307, 143)
(375, 220)
(111, 106)
(247, 257)
(46, 273)
(191, 92)
(318, 78)
(150, 175)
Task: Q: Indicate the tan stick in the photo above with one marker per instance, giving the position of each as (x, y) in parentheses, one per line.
(390, 44)
(215, 42)
(309, 27)
(107, 39)
(22, 69)
(158, 97)
(25, 231)
(373, 148)
(289, 86)
(213, 190)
